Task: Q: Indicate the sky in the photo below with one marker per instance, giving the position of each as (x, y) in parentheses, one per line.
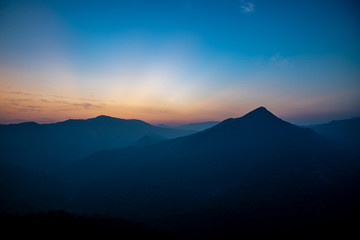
(179, 61)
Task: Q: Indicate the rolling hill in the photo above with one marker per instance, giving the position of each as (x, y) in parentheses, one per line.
(345, 132)
(256, 171)
(46, 147)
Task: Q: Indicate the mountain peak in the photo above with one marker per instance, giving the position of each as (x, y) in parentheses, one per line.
(260, 112)
(261, 108)
(103, 117)
(258, 116)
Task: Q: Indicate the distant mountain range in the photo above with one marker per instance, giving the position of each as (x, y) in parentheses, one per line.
(199, 126)
(346, 132)
(244, 176)
(148, 140)
(236, 164)
(48, 146)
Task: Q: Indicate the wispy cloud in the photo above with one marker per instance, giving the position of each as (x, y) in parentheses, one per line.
(246, 6)
(22, 101)
(279, 60)
(29, 108)
(86, 105)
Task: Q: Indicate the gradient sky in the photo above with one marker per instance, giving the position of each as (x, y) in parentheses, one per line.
(179, 61)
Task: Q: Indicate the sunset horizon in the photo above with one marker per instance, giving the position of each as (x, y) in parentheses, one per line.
(179, 122)
(180, 119)
(178, 62)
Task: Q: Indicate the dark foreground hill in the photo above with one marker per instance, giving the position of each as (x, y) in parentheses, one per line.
(254, 174)
(248, 176)
(48, 146)
(56, 224)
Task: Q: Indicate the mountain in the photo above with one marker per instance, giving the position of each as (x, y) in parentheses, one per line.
(236, 138)
(345, 131)
(253, 174)
(46, 147)
(147, 140)
(198, 126)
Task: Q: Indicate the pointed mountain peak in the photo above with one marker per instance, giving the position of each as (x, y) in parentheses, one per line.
(260, 109)
(260, 112)
(258, 116)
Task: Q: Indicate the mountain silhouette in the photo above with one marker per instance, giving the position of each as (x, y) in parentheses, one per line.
(257, 130)
(147, 140)
(256, 171)
(346, 132)
(200, 126)
(46, 147)
(256, 174)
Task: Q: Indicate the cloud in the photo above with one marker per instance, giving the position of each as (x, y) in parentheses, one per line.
(246, 6)
(22, 101)
(20, 93)
(29, 108)
(86, 105)
(279, 60)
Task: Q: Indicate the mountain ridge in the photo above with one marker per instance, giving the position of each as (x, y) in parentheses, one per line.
(219, 142)
(255, 172)
(47, 146)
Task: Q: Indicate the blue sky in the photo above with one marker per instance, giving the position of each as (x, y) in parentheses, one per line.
(179, 61)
